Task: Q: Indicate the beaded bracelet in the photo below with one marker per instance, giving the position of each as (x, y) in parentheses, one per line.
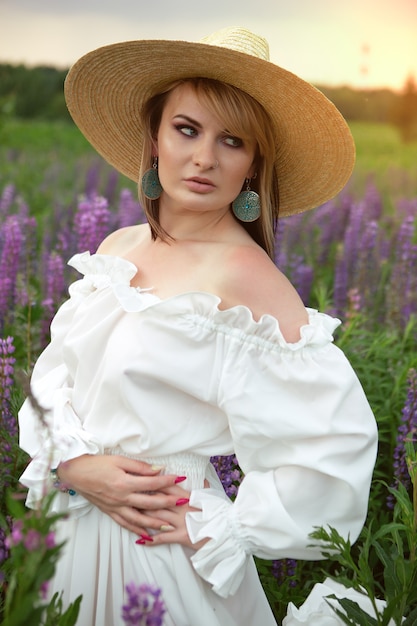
(56, 483)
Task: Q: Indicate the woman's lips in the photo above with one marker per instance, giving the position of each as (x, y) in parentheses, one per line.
(199, 185)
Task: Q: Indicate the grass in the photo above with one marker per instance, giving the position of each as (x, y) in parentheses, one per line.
(381, 154)
(61, 156)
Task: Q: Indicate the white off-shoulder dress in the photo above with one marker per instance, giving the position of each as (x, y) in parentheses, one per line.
(174, 382)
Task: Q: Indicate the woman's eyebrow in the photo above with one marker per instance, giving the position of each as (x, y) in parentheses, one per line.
(188, 119)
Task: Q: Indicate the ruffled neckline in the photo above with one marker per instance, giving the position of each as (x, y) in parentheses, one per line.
(108, 271)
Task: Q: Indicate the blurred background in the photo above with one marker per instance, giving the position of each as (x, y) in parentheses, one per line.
(362, 54)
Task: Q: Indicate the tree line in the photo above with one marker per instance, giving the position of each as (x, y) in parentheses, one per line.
(37, 93)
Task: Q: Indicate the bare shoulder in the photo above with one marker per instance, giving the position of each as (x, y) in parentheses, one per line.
(121, 241)
(251, 278)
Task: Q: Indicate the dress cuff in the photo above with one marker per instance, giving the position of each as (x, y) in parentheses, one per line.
(37, 477)
(222, 560)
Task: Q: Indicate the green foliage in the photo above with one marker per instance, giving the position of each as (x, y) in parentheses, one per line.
(404, 113)
(382, 359)
(278, 592)
(33, 93)
(364, 105)
(388, 549)
(47, 162)
(383, 158)
(31, 564)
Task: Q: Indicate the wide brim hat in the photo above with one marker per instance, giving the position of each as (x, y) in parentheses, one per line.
(106, 88)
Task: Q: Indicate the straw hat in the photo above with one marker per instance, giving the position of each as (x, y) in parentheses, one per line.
(106, 88)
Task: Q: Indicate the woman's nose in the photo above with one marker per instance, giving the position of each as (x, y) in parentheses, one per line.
(205, 155)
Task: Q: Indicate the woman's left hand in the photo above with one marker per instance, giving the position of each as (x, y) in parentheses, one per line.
(176, 529)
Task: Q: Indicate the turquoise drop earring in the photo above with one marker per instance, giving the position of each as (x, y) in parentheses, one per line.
(151, 185)
(247, 206)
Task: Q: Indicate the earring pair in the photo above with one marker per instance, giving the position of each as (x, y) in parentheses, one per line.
(151, 185)
(247, 206)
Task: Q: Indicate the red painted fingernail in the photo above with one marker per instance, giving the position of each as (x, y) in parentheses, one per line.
(182, 501)
(141, 542)
(146, 537)
(179, 479)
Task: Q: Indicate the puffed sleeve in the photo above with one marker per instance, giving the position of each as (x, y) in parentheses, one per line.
(306, 440)
(57, 434)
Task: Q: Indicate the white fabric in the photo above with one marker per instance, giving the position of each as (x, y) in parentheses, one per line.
(315, 611)
(182, 380)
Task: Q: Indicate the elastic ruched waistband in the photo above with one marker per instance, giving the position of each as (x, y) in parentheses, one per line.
(193, 466)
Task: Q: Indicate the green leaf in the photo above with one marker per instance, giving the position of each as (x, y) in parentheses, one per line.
(69, 618)
(411, 619)
(354, 613)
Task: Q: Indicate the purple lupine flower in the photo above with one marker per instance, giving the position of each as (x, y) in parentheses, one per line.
(6, 289)
(228, 471)
(407, 207)
(130, 211)
(7, 362)
(354, 303)
(43, 590)
(347, 259)
(351, 243)
(373, 202)
(144, 606)
(298, 272)
(91, 222)
(368, 266)
(329, 221)
(50, 541)
(16, 534)
(402, 297)
(32, 540)
(12, 239)
(92, 180)
(4, 549)
(54, 292)
(8, 422)
(368, 240)
(6, 199)
(279, 244)
(4, 542)
(283, 569)
(302, 278)
(323, 220)
(340, 287)
(111, 186)
(407, 428)
(290, 230)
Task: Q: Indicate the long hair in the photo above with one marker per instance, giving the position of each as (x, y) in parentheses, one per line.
(244, 117)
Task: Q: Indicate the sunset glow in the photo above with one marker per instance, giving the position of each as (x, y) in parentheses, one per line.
(364, 43)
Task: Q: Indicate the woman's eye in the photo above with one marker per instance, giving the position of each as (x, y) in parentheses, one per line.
(235, 142)
(187, 130)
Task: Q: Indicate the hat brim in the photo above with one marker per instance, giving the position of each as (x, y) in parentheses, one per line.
(106, 88)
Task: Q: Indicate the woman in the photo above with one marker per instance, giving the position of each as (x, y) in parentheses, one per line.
(183, 341)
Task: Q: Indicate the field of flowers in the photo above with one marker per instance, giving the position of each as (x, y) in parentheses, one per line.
(355, 257)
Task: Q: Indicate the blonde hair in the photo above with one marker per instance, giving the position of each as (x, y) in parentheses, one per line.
(244, 117)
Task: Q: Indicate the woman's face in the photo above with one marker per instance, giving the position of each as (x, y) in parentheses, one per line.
(201, 166)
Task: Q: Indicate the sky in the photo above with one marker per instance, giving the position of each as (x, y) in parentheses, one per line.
(362, 43)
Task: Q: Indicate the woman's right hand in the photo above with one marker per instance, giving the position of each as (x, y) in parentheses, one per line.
(122, 488)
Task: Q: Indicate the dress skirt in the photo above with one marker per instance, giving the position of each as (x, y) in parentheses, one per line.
(100, 558)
